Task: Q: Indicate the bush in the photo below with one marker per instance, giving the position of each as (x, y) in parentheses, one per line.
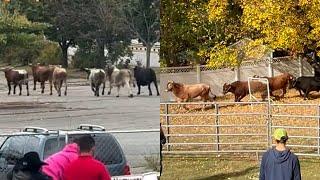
(49, 54)
(85, 59)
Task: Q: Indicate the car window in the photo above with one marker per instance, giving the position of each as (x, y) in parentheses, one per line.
(14, 147)
(32, 144)
(52, 146)
(107, 149)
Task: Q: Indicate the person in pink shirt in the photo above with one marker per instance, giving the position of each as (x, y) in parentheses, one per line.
(58, 161)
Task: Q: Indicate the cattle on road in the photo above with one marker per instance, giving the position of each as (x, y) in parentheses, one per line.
(42, 74)
(96, 78)
(119, 78)
(59, 77)
(17, 78)
(144, 77)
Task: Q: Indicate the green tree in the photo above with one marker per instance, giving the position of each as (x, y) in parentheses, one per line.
(143, 19)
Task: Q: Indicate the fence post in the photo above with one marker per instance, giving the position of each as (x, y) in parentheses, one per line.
(270, 68)
(237, 73)
(318, 130)
(300, 66)
(167, 122)
(217, 126)
(198, 71)
(269, 125)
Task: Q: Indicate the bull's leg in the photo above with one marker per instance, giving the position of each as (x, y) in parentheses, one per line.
(59, 87)
(97, 90)
(27, 87)
(20, 89)
(236, 98)
(66, 84)
(42, 87)
(149, 88)
(129, 88)
(156, 85)
(306, 94)
(109, 92)
(118, 91)
(139, 88)
(9, 87)
(284, 91)
(300, 93)
(103, 87)
(14, 88)
(34, 84)
(50, 83)
(93, 88)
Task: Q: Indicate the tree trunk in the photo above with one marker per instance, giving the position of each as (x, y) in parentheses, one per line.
(101, 58)
(64, 48)
(148, 55)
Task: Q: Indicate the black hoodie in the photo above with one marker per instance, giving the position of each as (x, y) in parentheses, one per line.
(279, 165)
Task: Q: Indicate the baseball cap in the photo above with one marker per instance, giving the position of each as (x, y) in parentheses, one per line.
(279, 133)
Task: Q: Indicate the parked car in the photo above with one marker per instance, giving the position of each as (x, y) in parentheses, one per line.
(47, 142)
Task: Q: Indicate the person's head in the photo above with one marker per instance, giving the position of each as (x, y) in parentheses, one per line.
(86, 144)
(31, 161)
(280, 135)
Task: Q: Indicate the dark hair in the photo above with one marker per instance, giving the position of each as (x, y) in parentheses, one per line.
(283, 140)
(86, 143)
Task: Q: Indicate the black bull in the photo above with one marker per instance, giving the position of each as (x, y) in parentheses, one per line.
(144, 77)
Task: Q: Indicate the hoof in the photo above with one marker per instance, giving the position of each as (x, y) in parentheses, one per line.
(102, 93)
(109, 93)
(117, 96)
(19, 94)
(65, 93)
(150, 94)
(158, 94)
(59, 95)
(28, 94)
(131, 95)
(34, 89)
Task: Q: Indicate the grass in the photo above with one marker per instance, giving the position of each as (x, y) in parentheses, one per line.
(152, 162)
(234, 168)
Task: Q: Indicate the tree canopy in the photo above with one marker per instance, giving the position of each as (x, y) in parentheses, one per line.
(208, 28)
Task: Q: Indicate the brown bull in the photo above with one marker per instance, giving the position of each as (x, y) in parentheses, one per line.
(240, 89)
(185, 92)
(279, 82)
(59, 77)
(42, 74)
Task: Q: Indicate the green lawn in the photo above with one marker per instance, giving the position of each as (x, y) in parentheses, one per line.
(234, 168)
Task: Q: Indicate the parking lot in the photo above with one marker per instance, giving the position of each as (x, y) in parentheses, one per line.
(80, 106)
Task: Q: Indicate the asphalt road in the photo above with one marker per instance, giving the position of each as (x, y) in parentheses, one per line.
(80, 106)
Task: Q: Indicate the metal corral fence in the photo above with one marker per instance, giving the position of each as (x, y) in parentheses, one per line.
(242, 127)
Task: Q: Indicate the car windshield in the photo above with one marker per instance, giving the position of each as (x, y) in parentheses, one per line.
(15, 147)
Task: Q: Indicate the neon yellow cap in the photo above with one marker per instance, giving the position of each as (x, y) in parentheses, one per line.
(279, 133)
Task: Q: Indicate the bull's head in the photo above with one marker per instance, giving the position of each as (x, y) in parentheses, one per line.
(292, 83)
(170, 85)
(88, 71)
(226, 88)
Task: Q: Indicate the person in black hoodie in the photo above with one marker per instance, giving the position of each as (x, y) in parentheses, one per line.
(279, 163)
(28, 168)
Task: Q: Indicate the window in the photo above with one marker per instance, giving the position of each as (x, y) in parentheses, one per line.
(52, 146)
(108, 151)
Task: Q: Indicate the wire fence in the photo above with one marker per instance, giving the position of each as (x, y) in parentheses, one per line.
(243, 127)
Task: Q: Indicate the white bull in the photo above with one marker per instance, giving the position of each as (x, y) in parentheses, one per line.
(96, 78)
(120, 78)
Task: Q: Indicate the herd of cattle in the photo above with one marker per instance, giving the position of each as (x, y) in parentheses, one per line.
(240, 89)
(57, 76)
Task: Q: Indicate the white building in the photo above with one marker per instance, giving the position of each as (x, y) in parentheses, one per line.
(138, 51)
